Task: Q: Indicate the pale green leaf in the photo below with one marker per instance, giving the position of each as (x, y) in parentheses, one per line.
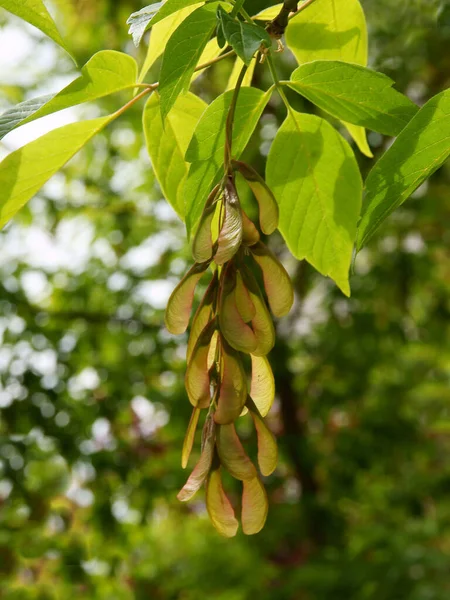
(105, 73)
(139, 21)
(331, 30)
(244, 38)
(247, 81)
(24, 171)
(148, 16)
(167, 145)
(207, 145)
(420, 149)
(268, 14)
(160, 35)
(313, 173)
(355, 94)
(35, 12)
(181, 55)
(16, 115)
(359, 136)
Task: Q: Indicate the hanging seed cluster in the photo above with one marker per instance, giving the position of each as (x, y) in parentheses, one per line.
(232, 332)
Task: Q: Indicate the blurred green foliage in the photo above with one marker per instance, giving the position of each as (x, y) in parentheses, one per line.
(93, 408)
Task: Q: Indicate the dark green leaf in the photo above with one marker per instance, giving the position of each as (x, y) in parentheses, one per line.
(244, 38)
(420, 149)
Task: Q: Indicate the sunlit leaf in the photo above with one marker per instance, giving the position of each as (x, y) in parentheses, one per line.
(316, 180)
(24, 171)
(331, 30)
(189, 437)
(201, 469)
(277, 282)
(268, 208)
(268, 14)
(237, 333)
(233, 386)
(232, 454)
(244, 38)
(166, 145)
(219, 507)
(179, 305)
(160, 35)
(267, 445)
(202, 315)
(230, 236)
(35, 12)
(262, 386)
(106, 72)
(237, 67)
(254, 506)
(181, 55)
(355, 94)
(420, 149)
(197, 373)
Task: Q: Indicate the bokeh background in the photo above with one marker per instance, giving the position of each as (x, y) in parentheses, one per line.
(93, 409)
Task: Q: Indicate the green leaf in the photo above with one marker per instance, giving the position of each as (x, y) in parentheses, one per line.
(181, 55)
(420, 149)
(148, 16)
(15, 116)
(355, 94)
(207, 145)
(36, 13)
(159, 37)
(331, 30)
(105, 73)
(139, 21)
(167, 144)
(244, 38)
(24, 171)
(315, 178)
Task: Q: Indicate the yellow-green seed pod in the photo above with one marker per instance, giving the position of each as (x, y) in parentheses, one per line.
(268, 207)
(202, 244)
(189, 437)
(261, 323)
(219, 507)
(232, 454)
(250, 235)
(232, 387)
(179, 305)
(197, 376)
(202, 315)
(267, 445)
(262, 384)
(277, 283)
(254, 506)
(244, 303)
(201, 469)
(238, 334)
(230, 237)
